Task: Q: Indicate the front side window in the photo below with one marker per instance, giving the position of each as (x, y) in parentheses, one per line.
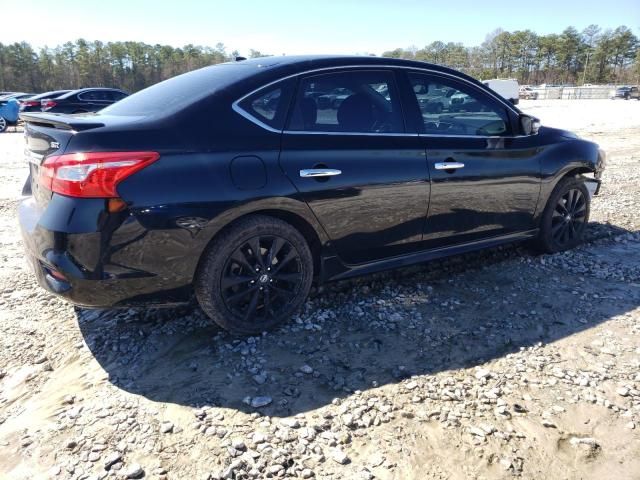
(348, 102)
(450, 108)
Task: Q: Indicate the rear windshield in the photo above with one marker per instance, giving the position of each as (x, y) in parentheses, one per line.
(178, 92)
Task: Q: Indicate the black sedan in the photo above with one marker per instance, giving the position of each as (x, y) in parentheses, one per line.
(231, 183)
(34, 104)
(627, 93)
(83, 100)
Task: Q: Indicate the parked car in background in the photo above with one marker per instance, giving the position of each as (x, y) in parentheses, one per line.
(9, 110)
(626, 93)
(17, 95)
(506, 88)
(528, 93)
(83, 100)
(198, 186)
(34, 104)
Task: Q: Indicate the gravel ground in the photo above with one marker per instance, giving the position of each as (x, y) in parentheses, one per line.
(490, 365)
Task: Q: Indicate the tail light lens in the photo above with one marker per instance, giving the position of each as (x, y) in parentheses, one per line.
(47, 104)
(30, 103)
(92, 175)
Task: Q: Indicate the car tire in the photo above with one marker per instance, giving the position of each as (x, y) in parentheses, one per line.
(565, 216)
(3, 124)
(247, 293)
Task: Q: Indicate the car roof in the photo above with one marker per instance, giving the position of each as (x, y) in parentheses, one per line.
(46, 94)
(309, 62)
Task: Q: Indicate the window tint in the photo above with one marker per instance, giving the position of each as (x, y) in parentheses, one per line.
(95, 95)
(449, 108)
(270, 104)
(118, 95)
(361, 102)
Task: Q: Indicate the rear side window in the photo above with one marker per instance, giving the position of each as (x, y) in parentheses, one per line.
(95, 95)
(348, 102)
(118, 95)
(269, 105)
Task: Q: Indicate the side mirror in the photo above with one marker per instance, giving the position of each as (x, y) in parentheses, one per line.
(529, 125)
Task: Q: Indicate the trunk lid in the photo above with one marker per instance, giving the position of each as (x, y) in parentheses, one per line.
(48, 134)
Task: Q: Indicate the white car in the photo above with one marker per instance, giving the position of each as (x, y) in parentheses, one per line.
(508, 89)
(528, 93)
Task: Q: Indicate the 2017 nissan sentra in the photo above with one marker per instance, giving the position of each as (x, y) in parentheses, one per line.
(232, 182)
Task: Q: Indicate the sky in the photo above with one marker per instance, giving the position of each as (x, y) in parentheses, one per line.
(298, 27)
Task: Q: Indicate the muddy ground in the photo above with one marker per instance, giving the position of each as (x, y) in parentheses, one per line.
(491, 365)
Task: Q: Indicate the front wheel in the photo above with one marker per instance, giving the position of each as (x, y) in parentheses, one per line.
(565, 217)
(254, 275)
(3, 124)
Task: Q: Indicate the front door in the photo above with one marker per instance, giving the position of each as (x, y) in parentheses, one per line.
(485, 181)
(347, 153)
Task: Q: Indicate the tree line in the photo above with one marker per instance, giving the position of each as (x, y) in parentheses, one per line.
(571, 57)
(590, 56)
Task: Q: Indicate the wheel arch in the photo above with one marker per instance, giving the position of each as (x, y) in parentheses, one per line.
(305, 223)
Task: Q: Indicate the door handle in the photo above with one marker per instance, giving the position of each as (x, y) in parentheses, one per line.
(449, 165)
(319, 172)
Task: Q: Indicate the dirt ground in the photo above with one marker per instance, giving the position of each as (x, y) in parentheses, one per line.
(492, 365)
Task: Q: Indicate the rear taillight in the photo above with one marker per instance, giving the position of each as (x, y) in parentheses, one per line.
(94, 175)
(30, 103)
(47, 104)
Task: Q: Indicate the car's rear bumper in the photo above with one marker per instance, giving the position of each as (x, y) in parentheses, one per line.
(89, 281)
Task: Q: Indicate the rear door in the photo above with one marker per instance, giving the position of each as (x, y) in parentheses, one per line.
(485, 181)
(347, 152)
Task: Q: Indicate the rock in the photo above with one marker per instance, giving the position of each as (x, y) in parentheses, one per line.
(258, 438)
(478, 432)
(134, 471)
(307, 473)
(482, 373)
(260, 379)
(166, 427)
(340, 457)
(94, 456)
(623, 391)
(630, 425)
(306, 369)
(258, 402)
(411, 385)
(41, 359)
(238, 444)
(111, 460)
(290, 422)
(274, 469)
(583, 441)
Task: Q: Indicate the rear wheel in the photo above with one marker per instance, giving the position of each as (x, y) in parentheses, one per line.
(3, 124)
(255, 275)
(565, 217)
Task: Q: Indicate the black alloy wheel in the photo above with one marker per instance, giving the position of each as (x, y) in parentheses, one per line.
(569, 217)
(564, 220)
(254, 275)
(261, 278)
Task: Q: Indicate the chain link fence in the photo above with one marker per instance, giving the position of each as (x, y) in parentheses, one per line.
(574, 93)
